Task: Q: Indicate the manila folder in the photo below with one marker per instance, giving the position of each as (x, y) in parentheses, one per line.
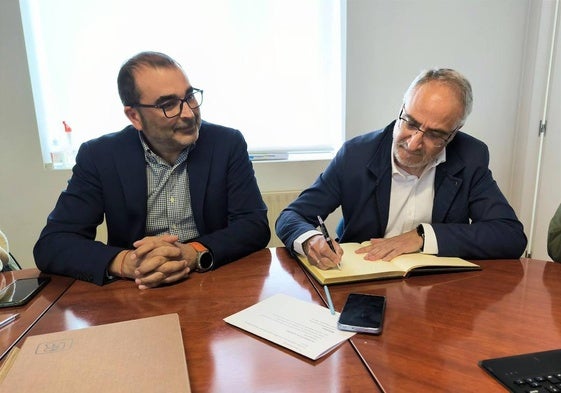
(142, 355)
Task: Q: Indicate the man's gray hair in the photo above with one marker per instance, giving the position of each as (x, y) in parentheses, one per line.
(449, 77)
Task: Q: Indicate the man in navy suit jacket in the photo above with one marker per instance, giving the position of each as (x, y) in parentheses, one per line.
(178, 194)
(418, 185)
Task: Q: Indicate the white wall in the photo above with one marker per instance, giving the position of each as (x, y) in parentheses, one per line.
(27, 191)
(389, 42)
(539, 101)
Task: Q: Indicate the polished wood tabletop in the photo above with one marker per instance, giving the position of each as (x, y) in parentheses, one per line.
(30, 313)
(437, 327)
(220, 357)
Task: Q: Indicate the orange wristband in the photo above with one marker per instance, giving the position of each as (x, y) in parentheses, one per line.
(123, 263)
(198, 246)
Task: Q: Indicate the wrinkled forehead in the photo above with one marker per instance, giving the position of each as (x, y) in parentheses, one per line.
(435, 101)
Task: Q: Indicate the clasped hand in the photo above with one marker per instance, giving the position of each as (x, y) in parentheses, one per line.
(159, 260)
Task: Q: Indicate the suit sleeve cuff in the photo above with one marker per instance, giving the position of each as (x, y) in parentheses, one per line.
(431, 245)
(297, 245)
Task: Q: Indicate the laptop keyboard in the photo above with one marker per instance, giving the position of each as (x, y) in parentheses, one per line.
(536, 372)
(549, 383)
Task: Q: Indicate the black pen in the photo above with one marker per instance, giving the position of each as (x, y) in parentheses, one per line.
(327, 238)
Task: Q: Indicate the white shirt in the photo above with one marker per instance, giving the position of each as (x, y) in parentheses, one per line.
(411, 203)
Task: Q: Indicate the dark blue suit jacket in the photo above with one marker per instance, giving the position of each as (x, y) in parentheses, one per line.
(471, 217)
(109, 181)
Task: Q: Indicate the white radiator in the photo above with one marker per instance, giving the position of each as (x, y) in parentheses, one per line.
(276, 201)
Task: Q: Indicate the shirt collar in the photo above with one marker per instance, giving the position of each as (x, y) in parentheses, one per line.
(150, 156)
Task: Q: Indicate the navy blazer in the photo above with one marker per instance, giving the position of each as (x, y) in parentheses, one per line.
(471, 217)
(109, 181)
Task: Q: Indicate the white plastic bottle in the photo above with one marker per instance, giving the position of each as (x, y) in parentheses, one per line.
(57, 155)
(69, 152)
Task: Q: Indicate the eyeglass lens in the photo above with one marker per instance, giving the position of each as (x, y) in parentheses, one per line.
(431, 136)
(173, 108)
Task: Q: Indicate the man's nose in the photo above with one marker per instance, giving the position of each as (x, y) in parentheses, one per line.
(415, 141)
(186, 110)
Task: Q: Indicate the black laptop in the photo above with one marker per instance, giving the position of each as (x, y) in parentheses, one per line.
(538, 372)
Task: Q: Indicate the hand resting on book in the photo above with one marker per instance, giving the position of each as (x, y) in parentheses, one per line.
(319, 253)
(391, 247)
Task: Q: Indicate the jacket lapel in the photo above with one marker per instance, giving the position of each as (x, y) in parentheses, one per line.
(446, 187)
(380, 186)
(132, 178)
(198, 168)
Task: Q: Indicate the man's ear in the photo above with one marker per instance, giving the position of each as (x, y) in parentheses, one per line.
(134, 117)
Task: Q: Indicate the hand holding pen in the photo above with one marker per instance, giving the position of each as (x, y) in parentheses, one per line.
(327, 238)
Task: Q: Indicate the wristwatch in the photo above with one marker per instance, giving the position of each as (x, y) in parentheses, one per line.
(421, 233)
(205, 261)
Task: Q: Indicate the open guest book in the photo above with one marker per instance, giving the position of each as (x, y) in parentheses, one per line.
(355, 268)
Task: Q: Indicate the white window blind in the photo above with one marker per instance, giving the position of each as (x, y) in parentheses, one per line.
(274, 69)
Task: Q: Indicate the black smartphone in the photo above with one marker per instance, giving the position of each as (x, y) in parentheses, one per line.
(363, 313)
(19, 292)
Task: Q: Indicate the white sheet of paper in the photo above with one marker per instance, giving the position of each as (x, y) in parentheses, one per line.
(303, 327)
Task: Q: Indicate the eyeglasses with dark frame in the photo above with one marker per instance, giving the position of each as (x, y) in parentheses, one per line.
(174, 106)
(436, 138)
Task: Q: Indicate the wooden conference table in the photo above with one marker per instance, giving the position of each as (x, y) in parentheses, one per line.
(437, 327)
(220, 357)
(30, 313)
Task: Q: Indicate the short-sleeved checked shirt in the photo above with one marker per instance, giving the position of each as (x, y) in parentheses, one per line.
(169, 200)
